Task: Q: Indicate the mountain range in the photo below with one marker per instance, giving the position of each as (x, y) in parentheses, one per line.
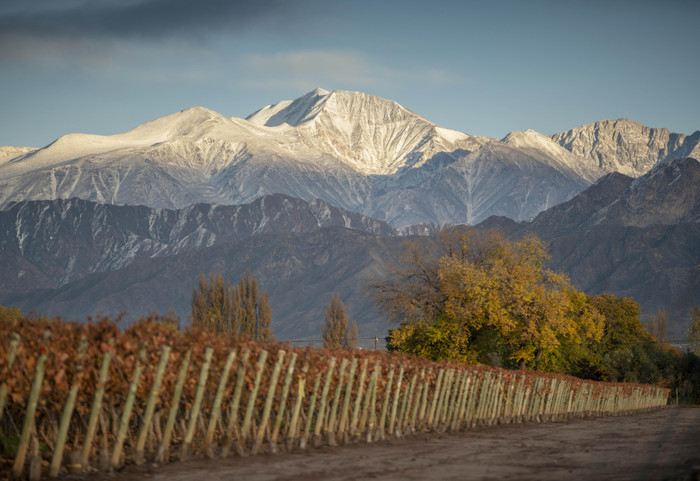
(316, 194)
(353, 150)
(617, 236)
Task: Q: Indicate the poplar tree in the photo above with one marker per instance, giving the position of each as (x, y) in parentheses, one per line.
(353, 336)
(334, 330)
(264, 319)
(225, 309)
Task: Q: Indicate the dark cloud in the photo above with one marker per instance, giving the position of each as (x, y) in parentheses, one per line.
(141, 18)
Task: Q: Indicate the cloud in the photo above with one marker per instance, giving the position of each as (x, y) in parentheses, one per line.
(29, 29)
(141, 18)
(334, 68)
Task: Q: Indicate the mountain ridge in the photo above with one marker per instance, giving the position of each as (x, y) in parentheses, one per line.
(354, 150)
(52, 243)
(628, 253)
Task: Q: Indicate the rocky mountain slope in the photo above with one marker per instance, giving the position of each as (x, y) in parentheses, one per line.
(353, 150)
(632, 237)
(601, 238)
(47, 244)
(300, 271)
(627, 147)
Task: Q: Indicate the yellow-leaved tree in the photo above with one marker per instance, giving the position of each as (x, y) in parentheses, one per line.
(478, 297)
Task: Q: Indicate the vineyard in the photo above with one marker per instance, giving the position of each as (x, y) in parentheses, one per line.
(80, 398)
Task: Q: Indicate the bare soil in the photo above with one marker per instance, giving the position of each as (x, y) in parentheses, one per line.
(659, 445)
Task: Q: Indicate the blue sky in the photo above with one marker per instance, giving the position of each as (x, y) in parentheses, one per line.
(485, 68)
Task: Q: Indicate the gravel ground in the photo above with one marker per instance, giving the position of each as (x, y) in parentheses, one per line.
(659, 445)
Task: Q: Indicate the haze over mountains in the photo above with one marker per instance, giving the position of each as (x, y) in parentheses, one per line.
(313, 194)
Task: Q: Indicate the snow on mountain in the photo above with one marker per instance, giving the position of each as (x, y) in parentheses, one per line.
(46, 244)
(291, 112)
(627, 147)
(372, 135)
(8, 152)
(497, 179)
(353, 150)
(557, 155)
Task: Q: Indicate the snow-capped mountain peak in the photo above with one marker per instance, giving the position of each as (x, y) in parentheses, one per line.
(371, 135)
(626, 146)
(291, 112)
(351, 149)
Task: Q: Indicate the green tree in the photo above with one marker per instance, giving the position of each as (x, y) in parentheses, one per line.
(627, 352)
(334, 330)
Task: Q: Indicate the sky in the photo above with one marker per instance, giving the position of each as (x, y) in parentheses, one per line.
(484, 68)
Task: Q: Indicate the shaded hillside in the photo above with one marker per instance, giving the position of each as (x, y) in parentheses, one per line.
(46, 244)
(630, 237)
(300, 271)
(633, 238)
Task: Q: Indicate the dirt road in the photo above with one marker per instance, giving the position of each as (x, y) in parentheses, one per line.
(659, 445)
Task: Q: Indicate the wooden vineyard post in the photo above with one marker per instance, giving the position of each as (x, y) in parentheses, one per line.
(247, 420)
(271, 391)
(509, 401)
(151, 403)
(483, 399)
(551, 390)
(406, 403)
(32, 402)
(218, 399)
(385, 404)
(534, 400)
(520, 400)
(310, 414)
(434, 400)
(126, 415)
(371, 389)
(292, 433)
(417, 402)
(322, 406)
(14, 342)
(358, 399)
(371, 431)
(463, 398)
(483, 407)
(283, 403)
(96, 406)
(235, 405)
(331, 424)
(395, 403)
(469, 391)
(494, 404)
(68, 411)
(424, 403)
(444, 398)
(443, 402)
(174, 407)
(346, 400)
(452, 405)
(194, 412)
